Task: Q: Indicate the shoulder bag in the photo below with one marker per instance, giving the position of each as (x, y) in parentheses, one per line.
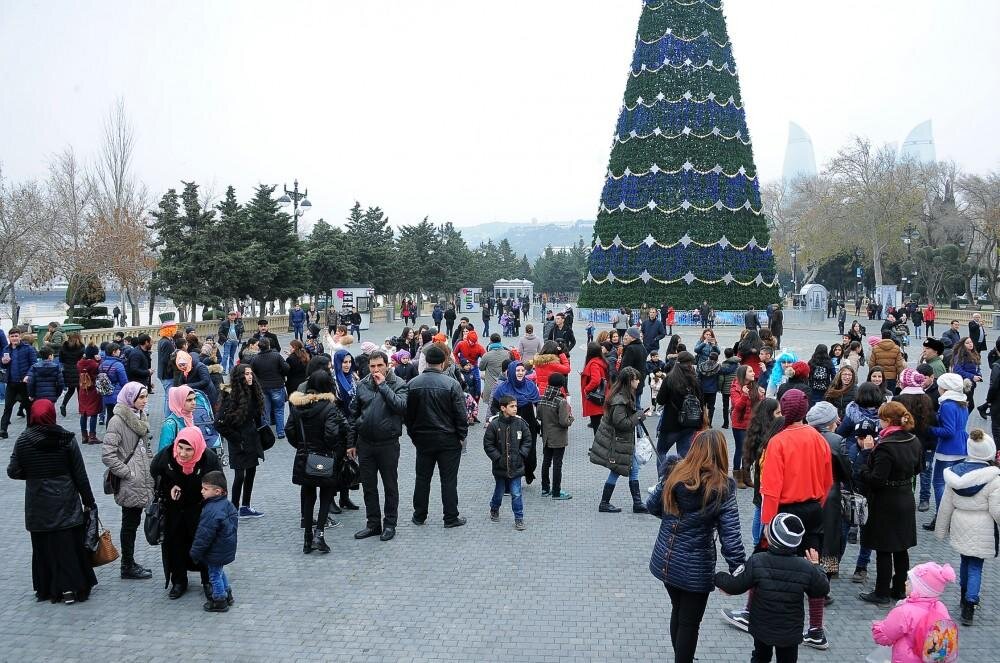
(597, 395)
(113, 482)
(318, 466)
(106, 551)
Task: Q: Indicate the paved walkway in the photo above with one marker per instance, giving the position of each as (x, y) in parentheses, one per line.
(573, 587)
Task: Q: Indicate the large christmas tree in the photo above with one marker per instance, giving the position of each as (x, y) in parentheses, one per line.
(680, 217)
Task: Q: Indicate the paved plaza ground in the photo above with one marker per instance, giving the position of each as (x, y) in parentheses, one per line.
(575, 586)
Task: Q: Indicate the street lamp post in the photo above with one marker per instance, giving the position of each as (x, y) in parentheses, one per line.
(858, 255)
(300, 204)
(909, 234)
(793, 251)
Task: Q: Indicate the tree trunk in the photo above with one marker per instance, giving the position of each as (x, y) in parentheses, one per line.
(152, 305)
(15, 310)
(877, 266)
(134, 305)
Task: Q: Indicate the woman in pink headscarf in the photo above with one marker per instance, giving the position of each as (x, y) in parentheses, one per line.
(179, 469)
(181, 402)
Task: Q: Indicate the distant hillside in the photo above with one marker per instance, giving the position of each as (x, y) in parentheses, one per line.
(529, 238)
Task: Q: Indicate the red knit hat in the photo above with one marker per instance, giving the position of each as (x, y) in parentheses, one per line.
(794, 406)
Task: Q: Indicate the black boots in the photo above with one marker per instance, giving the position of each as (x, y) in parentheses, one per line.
(638, 506)
(133, 571)
(968, 611)
(345, 501)
(307, 546)
(606, 506)
(319, 543)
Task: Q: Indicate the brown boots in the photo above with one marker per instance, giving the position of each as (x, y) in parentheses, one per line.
(742, 478)
(89, 438)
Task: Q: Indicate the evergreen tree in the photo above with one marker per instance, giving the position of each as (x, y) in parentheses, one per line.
(372, 247)
(680, 216)
(417, 259)
(172, 247)
(234, 266)
(198, 226)
(328, 260)
(275, 254)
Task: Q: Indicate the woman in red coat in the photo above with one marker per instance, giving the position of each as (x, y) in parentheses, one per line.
(89, 402)
(595, 371)
(744, 394)
(548, 361)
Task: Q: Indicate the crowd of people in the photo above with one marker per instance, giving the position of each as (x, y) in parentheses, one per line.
(831, 459)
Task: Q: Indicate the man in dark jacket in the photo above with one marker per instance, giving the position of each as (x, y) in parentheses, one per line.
(750, 319)
(164, 367)
(449, 319)
(561, 332)
(653, 331)
(977, 332)
(437, 424)
(779, 578)
(507, 442)
(45, 378)
(263, 333)
(376, 422)
(137, 366)
(270, 369)
(703, 313)
(298, 320)
(17, 359)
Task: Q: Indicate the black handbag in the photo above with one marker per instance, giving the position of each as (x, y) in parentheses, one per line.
(153, 524)
(350, 473)
(113, 482)
(597, 395)
(319, 466)
(92, 535)
(266, 437)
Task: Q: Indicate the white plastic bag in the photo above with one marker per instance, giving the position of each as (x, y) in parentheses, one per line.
(643, 447)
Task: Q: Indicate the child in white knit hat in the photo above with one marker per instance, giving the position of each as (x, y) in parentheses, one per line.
(969, 512)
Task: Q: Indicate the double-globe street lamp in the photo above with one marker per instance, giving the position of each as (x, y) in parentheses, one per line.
(300, 204)
(909, 234)
(793, 251)
(858, 255)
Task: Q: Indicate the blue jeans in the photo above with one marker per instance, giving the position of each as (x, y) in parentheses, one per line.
(93, 423)
(925, 476)
(166, 384)
(299, 329)
(666, 441)
(230, 349)
(516, 498)
(633, 472)
(219, 581)
(274, 399)
(486, 329)
(971, 577)
(939, 467)
(756, 527)
(355, 331)
(738, 437)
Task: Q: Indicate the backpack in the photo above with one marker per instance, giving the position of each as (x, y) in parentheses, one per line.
(936, 640)
(689, 414)
(819, 378)
(854, 508)
(103, 384)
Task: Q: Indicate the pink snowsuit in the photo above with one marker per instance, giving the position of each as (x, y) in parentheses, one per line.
(899, 626)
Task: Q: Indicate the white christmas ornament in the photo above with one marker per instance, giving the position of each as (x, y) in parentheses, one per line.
(689, 278)
(685, 240)
(649, 241)
(645, 276)
(651, 204)
(728, 278)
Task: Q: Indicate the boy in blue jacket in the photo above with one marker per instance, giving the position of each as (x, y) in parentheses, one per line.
(953, 417)
(215, 540)
(45, 377)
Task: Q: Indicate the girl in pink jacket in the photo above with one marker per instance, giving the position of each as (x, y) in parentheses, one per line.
(920, 625)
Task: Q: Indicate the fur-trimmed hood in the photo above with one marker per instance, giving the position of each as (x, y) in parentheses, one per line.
(540, 359)
(968, 478)
(298, 399)
(215, 368)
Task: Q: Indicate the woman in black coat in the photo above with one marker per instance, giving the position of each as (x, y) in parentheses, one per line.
(318, 430)
(177, 470)
(70, 353)
(241, 414)
(887, 476)
(56, 492)
(298, 361)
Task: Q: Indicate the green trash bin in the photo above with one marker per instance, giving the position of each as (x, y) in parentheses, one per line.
(41, 330)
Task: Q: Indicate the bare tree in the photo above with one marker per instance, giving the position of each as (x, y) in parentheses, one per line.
(119, 198)
(981, 196)
(72, 238)
(25, 221)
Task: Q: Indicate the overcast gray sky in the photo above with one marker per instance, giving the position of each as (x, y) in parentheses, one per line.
(462, 110)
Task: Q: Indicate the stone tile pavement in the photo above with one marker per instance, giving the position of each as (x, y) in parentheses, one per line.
(574, 586)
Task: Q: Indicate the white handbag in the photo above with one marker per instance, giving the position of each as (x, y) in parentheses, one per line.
(643, 447)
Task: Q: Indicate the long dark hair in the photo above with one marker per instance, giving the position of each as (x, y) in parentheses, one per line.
(763, 424)
(821, 355)
(623, 385)
(705, 468)
(298, 350)
(753, 393)
(246, 401)
(673, 343)
(964, 355)
(594, 349)
(921, 408)
(319, 362)
(682, 375)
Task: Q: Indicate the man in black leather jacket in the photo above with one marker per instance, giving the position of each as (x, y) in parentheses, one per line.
(436, 422)
(376, 422)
